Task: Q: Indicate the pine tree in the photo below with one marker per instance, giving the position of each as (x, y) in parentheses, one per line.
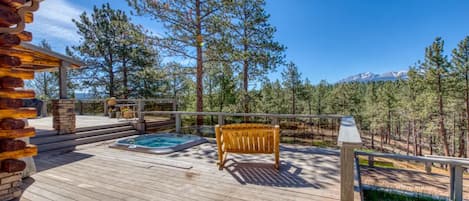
(436, 71)
(109, 43)
(292, 83)
(189, 25)
(460, 60)
(253, 41)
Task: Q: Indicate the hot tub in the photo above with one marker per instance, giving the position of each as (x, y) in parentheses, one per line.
(159, 143)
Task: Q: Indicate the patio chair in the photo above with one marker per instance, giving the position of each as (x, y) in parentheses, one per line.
(247, 139)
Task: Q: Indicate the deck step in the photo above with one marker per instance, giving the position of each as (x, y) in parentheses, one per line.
(57, 138)
(91, 128)
(86, 140)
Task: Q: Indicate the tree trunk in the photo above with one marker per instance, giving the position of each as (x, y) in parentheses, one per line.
(124, 79)
(431, 145)
(467, 111)
(408, 138)
(441, 119)
(372, 139)
(382, 139)
(111, 76)
(199, 77)
(414, 134)
(45, 85)
(245, 82)
(293, 101)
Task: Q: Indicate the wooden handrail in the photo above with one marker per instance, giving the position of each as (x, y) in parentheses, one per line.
(331, 116)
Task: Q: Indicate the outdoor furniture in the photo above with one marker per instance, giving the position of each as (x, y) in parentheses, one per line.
(126, 111)
(247, 139)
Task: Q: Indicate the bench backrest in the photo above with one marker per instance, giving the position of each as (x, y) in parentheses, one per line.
(248, 138)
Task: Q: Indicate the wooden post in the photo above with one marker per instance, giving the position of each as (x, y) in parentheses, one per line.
(349, 139)
(428, 167)
(456, 179)
(347, 176)
(141, 126)
(105, 108)
(44, 109)
(221, 120)
(80, 103)
(371, 161)
(178, 123)
(63, 79)
(140, 109)
(275, 121)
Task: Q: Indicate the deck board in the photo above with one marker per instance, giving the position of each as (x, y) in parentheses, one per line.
(96, 172)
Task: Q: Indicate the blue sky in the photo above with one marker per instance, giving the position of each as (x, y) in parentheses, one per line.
(327, 39)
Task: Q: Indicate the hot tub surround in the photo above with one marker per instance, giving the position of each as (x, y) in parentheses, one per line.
(159, 143)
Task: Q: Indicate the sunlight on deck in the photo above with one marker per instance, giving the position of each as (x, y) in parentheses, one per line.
(96, 172)
(45, 123)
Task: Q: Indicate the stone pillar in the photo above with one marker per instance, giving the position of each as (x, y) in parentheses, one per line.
(63, 112)
(10, 185)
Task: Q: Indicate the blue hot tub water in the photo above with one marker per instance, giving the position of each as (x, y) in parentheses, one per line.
(159, 143)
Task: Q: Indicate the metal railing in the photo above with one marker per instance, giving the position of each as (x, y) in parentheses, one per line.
(456, 167)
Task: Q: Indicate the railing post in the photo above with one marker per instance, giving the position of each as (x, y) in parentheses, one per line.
(140, 110)
(428, 167)
(347, 176)
(140, 126)
(80, 103)
(349, 139)
(178, 123)
(221, 120)
(105, 108)
(456, 179)
(275, 120)
(44, 109)
(371, 161)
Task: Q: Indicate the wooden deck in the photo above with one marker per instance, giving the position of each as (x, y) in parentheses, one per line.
(96, 172)
(45, 124)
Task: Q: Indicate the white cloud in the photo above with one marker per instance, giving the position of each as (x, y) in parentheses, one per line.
(53, 22)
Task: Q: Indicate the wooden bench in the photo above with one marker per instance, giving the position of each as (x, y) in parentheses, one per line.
(247, 139)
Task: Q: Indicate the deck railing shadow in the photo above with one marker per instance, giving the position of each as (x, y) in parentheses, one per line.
(266, 175)
(49, 161)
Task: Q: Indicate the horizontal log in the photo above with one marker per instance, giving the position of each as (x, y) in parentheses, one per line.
(25, 75)
(8, 40)
(30, 150)
(22, 56)
(7, 61)
(11, 145)
(8, 103)
(16, 93)
(12, 124)
(18, 113)
(28, 17)
(18, 133)
(42, 62)
(13, 3)
(12, 165)
(8, 16)
(31, 58)
(11, 82)
(25, 36)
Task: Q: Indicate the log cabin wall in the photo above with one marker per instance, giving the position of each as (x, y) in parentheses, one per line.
(13, 16)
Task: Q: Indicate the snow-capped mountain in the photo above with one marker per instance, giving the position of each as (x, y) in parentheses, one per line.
(369, 77)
